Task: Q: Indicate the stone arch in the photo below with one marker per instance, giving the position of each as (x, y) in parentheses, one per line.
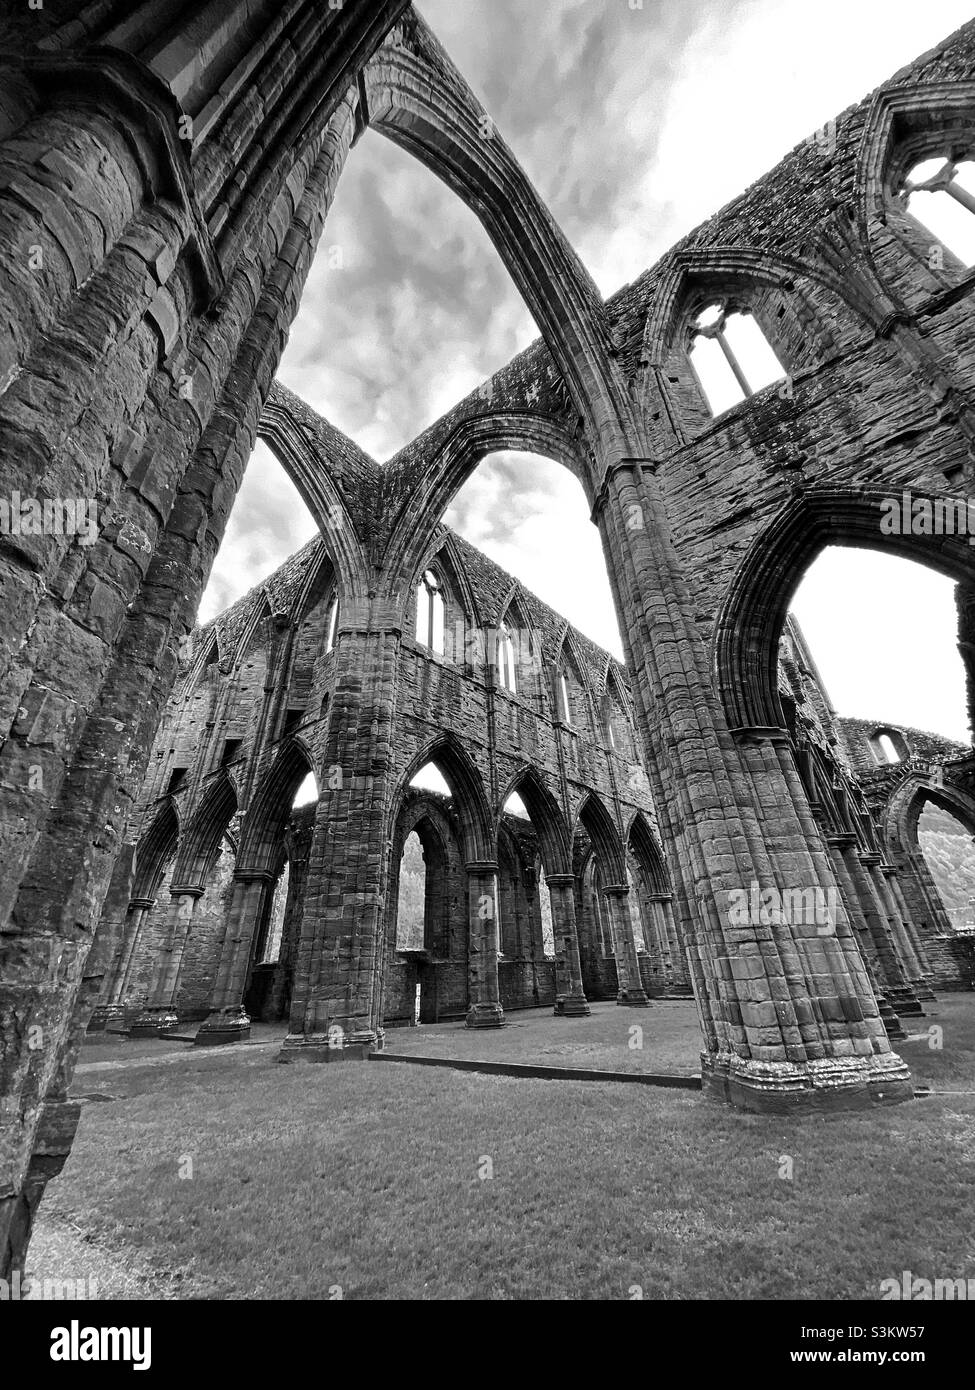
(455, 459)
(904, 126)
(802, 307)
(604, 838)
(209, 653)
(446, 553)
(900, 825)
(616, 711)
(645, 848)
(208, 827)
(897, 739)
(554, 841)
(463, 778)
(693, 275)
(315, 480)
(262, 611)
(319, 580)
(266, 819)
(154, 851)
(441, 855)
(570, 655)
(412, 93)
(754, 610)
(908, 801)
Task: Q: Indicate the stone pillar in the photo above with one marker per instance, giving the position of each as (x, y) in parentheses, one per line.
(570, 999)
(336, 1005)
(662, 907)
(788, 1013)
(903, 995)
(631, 991)
(112, 1009)
(482, 947)
(839, 845)
(250, 903)
(922, 979)
(159, 1014)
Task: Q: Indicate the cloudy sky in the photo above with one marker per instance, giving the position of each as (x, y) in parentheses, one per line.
(635, 123)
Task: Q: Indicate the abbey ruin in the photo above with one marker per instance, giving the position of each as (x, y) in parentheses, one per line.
(700, 820)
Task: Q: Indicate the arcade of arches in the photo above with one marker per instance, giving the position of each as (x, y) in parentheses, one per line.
(698, 820)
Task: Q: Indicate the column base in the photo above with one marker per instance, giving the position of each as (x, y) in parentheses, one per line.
(153, 1023)
(333, 1046)
(904, 1000)
(223, 1026)
(485, 1016)
(892, 1025)
(924, 992)
(830, 1083)
(572, 1006)
(104, 1015)
(633, 999)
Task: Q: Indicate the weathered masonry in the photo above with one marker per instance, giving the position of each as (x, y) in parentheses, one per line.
(490, 687)
(165, 174)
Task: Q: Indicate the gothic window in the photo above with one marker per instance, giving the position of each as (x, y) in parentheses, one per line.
(730, 355)
(565, 708)
(940, 194)
(506, 660)
(430, 612)
(411, 904)
(889, 746)
(332, 623)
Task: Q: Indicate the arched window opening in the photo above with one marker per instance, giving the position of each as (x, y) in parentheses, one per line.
(411, 904)
(431, 779)
(888, 749)
(275, 925)
(514, 806)
(636, 917)
(331, 626)
(548, 543)
(268, 523)
(565, 707)
(307, 793)
(545, 912)
(882, 631)
(950, 856)
(418, 375)
(940, 194)
(430, 612)
(731, 356)
(506, 660)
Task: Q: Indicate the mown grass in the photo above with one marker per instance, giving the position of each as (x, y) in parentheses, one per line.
(372, 1178)
(664, 1038)
(940, 1050)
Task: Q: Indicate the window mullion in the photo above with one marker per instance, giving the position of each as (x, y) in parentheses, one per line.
(733, 363)
(961, 195)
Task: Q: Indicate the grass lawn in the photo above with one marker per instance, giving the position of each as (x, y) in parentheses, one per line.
(940, 1050)
(664, 1038)
(374, 1179)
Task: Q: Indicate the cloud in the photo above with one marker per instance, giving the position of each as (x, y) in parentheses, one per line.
(634, 123)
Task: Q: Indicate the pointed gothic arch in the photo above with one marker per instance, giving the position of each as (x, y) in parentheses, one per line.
(753, 614)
